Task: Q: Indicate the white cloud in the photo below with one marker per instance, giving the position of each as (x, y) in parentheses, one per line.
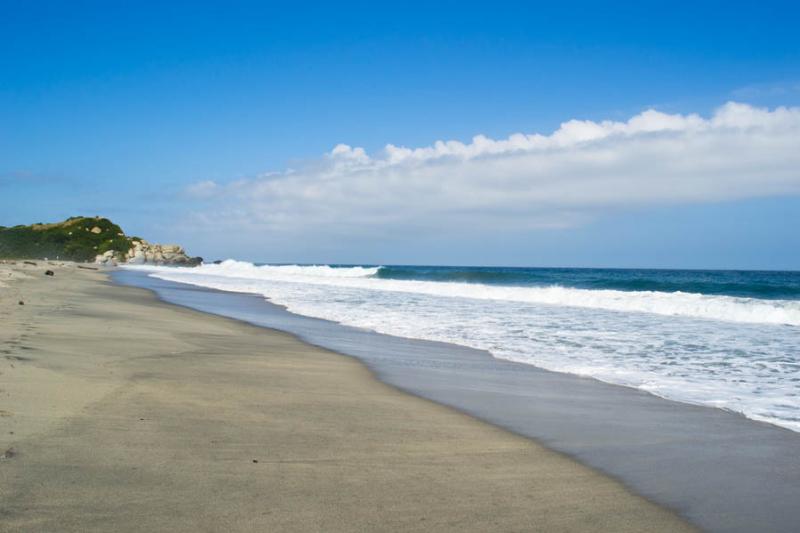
(525, 181)
(202, 189)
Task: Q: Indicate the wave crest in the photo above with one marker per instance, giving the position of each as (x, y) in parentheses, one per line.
(694, 305)
(244, 269)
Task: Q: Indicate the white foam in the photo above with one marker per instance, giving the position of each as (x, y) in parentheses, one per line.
(726, 308)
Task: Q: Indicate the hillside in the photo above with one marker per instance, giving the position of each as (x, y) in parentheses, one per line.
(77, 239)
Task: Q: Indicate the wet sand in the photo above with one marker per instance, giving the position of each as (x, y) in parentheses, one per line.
(120, 412)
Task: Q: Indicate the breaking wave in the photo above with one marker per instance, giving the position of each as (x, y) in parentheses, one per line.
(695, 305)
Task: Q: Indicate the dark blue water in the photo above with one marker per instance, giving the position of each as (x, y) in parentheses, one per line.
(779, 285)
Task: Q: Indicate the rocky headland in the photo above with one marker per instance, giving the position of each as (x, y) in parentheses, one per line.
(88, 239)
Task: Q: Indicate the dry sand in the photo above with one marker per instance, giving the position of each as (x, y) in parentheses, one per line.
(122, 413)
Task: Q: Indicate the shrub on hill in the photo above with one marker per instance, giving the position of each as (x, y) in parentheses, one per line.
(76, 239)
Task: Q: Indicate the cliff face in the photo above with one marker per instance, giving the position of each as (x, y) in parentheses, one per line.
(86, 239)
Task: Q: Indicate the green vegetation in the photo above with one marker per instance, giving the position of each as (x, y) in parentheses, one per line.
(76, 239)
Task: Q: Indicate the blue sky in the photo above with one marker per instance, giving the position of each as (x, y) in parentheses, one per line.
(122, 110)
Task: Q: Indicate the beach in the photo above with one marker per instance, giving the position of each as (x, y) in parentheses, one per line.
(717, 468)
(123, 412)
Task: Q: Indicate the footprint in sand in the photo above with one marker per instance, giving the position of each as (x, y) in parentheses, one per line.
(8, 454)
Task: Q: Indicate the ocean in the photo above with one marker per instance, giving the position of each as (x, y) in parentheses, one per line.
(724, 339)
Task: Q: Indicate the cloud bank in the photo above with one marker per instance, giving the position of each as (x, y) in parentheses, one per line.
(525, 181)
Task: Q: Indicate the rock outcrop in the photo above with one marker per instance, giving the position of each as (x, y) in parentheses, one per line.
(143, 252)
(165, 254)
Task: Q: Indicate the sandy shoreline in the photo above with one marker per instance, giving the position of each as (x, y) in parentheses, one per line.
(118, 411)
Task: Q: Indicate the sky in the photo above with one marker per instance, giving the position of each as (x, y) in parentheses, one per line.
(641, 134)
